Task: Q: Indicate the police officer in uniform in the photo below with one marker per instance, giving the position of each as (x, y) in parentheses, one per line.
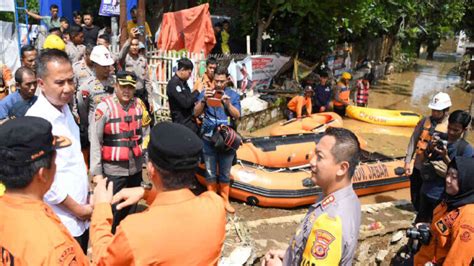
(328, 234)
(116, 138)
(180, 97)
(131, 60)
(83, 68)
(424, 131)
(97, 87)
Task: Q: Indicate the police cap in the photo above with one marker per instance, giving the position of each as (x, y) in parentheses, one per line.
(125, 78)
(28, 139)
(174, 147)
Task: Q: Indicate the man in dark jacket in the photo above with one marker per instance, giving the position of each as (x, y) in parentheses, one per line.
(181, 99)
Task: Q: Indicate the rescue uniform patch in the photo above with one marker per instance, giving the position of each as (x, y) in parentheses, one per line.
(465, 236)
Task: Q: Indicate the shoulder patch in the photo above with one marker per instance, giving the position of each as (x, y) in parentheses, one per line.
(322, 241)
(98, 114)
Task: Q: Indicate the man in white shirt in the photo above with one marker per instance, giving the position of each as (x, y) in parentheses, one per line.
(68, 196)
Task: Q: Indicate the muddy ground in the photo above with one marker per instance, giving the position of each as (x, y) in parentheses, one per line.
(269, 228)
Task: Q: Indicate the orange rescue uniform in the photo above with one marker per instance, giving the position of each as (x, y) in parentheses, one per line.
(204, 81)
(452, 237)
(344, 93)
(31, 234)
(179, 228)
(296, 105)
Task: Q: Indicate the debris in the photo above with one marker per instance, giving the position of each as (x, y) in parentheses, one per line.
(238, 257)
(396, 237)
(381, 255)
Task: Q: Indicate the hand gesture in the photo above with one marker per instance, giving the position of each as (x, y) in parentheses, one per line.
(129, 196)
(226, 99)
(407, 169)
(208, 93)
(103, 192)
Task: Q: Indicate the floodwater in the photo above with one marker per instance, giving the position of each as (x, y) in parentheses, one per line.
(410, 90)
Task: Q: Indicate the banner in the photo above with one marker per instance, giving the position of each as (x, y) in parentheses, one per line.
(109, 8)
(301, 70)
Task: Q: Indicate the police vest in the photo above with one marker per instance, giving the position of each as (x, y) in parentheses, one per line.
(427, 134)
(362, 92)
(343, 95)
(122, 131)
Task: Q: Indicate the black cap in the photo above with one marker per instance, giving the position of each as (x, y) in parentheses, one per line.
(126, 78)
(29, 139)
(174, 147)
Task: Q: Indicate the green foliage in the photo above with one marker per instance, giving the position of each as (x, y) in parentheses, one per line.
(10, 16)
(313, 27)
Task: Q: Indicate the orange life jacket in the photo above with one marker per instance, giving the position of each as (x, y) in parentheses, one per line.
(427, 134)
(344, 95)
(122, 131)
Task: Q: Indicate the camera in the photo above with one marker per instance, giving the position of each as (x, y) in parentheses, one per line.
(422, 233)
(441, 144)
(141, 30)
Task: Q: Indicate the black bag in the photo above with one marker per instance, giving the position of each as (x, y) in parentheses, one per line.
(225, 139)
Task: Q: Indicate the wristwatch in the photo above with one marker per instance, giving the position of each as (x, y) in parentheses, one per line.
(147, 186)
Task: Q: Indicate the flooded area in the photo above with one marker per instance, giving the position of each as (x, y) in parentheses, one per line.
(271, 228)
(410, 90)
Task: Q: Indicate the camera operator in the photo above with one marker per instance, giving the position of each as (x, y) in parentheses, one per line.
(221, 107)
(442, 149)
(452, 229)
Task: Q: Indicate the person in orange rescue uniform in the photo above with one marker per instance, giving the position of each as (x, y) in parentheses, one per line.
(342, 94)
(452, 229)
(175, 228)
(296, 104)
(30, 232)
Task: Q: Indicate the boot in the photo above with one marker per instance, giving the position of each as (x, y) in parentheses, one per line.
(225, 188)
(212, 187)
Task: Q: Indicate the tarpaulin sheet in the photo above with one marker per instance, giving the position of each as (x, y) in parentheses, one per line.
(9, 46)
(189, 29)
(7, 5)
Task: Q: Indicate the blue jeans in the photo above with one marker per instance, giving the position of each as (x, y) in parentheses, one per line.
(217, 162)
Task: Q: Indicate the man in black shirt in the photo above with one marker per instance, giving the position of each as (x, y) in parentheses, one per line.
(90, 31)
(180, 97)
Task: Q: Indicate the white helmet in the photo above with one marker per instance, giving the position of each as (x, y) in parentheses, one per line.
(101, 55)
(440, 101)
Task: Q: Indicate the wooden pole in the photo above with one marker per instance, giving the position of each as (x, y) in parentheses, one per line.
(141, 19)
(123, 22)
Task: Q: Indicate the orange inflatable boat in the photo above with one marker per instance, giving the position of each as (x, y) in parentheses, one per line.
(314, 123)
(263, 178)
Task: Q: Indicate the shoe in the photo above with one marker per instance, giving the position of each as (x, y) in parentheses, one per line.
(225, 188)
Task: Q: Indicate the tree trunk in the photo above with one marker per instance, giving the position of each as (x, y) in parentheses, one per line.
(260, 29)
(123, 22)
(141, 19)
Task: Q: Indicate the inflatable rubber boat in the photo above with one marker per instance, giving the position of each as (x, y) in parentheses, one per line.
(275, 172)
(383, 116)
(314, 123)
